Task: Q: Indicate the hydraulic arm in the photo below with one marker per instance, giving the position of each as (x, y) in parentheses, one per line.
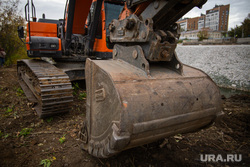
(145, 93)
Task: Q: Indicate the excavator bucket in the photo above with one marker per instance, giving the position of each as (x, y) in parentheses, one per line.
(126, 107)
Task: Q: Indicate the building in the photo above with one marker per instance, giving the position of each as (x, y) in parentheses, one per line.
(192, 23)
(183, 24)
(194, 34)
(217, 18)
(201, 22)
(215, 21)
(189, 24)
(212, 20)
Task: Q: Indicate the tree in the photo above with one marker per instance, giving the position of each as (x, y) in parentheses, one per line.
(203, 34)
(224, 34)
(237, 31)
(246, 27)
(10, 19)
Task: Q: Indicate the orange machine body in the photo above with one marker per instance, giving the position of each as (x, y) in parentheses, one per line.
(101, 44)
(81, 12)
(40, 29)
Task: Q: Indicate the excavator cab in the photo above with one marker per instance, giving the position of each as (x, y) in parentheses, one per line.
(138, 91)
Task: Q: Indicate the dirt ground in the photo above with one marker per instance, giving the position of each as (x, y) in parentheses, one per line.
(26, 140)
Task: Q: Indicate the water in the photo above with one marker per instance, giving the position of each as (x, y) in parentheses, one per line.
(227, 65)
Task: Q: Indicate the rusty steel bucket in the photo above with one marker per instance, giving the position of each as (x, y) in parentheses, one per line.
(127, 108)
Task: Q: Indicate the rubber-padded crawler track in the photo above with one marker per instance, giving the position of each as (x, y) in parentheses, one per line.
(46, 86)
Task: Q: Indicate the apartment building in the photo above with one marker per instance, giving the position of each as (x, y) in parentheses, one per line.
(192, 23)
(189, 24)
(183, 24)
(215, 21)
(201, 22)
(194, 34)
(217, 18)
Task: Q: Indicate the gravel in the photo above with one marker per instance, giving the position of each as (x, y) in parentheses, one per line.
(227, 65)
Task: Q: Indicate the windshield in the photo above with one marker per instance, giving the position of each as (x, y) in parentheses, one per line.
(112, 11)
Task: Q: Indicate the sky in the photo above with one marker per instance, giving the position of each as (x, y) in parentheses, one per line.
(239, 9)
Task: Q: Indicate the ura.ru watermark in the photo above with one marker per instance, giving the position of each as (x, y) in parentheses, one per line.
(220, 158)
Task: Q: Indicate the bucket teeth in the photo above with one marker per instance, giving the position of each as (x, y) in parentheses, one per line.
(46, 85)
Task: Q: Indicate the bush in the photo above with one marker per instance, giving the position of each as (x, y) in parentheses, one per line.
(10, 19)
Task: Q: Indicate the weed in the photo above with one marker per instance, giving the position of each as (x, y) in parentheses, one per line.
(62, 139)
(6, 136)
(75, 88)
(49, 119)
(9, 110)
(25, 131)
(46, 162)
(82, 95)
(15, 115)
(19, 92)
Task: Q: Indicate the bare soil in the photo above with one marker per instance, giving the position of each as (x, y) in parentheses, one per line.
(229, 136)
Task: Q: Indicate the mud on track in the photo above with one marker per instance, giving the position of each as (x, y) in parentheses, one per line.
(230, 136)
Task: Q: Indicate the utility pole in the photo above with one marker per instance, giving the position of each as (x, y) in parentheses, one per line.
(242, 36)
(234, 32)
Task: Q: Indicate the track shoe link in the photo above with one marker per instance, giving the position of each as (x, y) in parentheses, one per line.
(46, 86)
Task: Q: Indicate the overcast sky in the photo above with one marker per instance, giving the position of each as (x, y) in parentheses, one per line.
(239, 9)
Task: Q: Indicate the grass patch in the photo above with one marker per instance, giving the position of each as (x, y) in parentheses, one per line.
(19, 92)
(82, 95)
(9, 110)
(75, 88)
(46, 162)
(25, 131)
(49, 119)
(62, 139)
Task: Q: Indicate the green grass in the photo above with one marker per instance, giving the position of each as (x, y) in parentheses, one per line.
(82, 95)
(75, 88)
(46, 162)
(49, 119)
(6, 136)
(62, 139)
(19, 92)
(25, 131)
(9, 110)
(2, 135)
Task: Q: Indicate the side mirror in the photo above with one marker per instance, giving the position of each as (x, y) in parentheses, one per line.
(20, 31)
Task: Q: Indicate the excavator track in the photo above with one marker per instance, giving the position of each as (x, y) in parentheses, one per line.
(48, 87)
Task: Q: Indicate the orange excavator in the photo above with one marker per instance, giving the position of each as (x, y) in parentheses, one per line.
(137, 89)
